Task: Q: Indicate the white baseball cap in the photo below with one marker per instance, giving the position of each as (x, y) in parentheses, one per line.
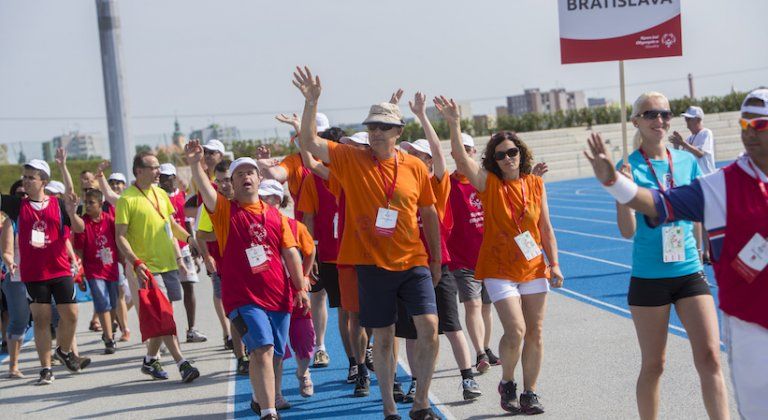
(270, 187)
(215, 145)
(761, 94)
(420, 145)
(467, 140)
(167, 169)
(693, 112)
(117, 176)
(55, 187)
(39, 165)
(322, 122)
(361, 137)
(240, 162)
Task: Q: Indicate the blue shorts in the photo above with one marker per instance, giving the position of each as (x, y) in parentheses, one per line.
(260, 327)
(379, 291)
(104, 294)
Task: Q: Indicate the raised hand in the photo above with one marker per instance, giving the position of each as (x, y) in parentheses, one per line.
(395, 98)
(448, 108)
(310, 87)
(419, 104)
(676, 139)
(293, 121)
(70, 203)
(61, 156)
(263, 152)
(598, 158)
(193, 152)
(103, 165)
(540, 169)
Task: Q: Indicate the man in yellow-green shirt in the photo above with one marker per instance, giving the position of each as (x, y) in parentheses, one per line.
(145, 229)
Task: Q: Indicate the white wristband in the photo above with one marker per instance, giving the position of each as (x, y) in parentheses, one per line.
(623, 190)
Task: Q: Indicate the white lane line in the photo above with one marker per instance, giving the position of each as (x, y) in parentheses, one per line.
(583, 219)
(432, 397)
(595, 259)
(571, 200)
(557, 207)
(231, 389)
(592, 235)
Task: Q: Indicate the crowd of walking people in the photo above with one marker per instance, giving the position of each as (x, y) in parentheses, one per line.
(381, 230)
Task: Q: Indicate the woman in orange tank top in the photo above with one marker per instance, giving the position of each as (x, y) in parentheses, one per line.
(510, 263)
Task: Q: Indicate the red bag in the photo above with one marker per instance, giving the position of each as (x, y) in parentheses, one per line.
(155, 311)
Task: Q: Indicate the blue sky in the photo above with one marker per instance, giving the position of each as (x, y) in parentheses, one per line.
(216, 59)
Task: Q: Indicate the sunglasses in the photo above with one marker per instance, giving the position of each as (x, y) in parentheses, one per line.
(653, 114)
(207, 152)
(510, 152)
(758, 124)
(380, 126)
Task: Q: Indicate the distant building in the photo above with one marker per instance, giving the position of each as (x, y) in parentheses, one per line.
(483, 123)
(215, 131)
(78, 146)
(4, 154)
(502, 111)
(465, 108)
(178, 137)
(534, 100)
(597, 102)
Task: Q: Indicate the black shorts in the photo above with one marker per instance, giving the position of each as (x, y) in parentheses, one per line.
(380, 290)
(446, 296)
(660, 292)
(62, 289)
(329, 281)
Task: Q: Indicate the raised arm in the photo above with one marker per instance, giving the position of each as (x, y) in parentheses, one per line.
(110, 196)
(66, 177)
(625, 216)
(308, 139)
(419, 108)
(464, 163)
(193, 152)
(70, 206)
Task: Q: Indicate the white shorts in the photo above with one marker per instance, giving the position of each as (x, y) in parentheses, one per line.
(191, 277)
(500, 289)
(747, 343)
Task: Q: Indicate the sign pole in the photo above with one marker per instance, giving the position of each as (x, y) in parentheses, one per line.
(623, 106)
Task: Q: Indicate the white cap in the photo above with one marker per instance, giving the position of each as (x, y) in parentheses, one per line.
(467, 140)
(40, 165)
(117, 176)
(361, 137)
(761, 94)
(270, 187)
(215, 145)
(55, 187)
(693, 112)
(419, 145)
(322, 122)
(240, 162)
(167, 169)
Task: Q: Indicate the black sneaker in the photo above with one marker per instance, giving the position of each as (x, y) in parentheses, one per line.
(110, 347)
(229, 344)
(411, 394)
(508, 394)
(352, 374)
(255, 407)
(362, 386)
(46, 377)
(369, 359)
(424, 414)
(483, 363)
(67, 359)
(82, 362)
(154, 369)
(492, 358)
(397, 392)
(471, 389)
(529, 403)
(188, 372)
(243, 364)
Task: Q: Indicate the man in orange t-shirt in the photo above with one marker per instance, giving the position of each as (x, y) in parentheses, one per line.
(385, 189)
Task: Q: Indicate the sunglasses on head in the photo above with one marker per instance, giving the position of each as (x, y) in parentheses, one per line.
(653, 114)
(758, 124)
(380, 126)
(510, 152)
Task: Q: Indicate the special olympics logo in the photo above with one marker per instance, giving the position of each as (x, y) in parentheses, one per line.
(474, 201)
(668, 40)
(258, 231)
(101, 241)
(40, 225)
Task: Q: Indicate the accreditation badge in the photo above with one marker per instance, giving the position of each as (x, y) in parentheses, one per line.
(673, 239)
(527, 245)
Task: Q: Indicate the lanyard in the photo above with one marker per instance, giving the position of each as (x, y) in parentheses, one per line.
(653, 171)
(508, 195)
(388, 190)
(156, 204)
(760, 182)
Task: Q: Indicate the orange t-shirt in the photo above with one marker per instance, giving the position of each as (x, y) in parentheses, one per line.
(220, 220)
(364, 188)
(304, 239)
(442, 190)
(500, 257)
(295, 168)
(308, 199)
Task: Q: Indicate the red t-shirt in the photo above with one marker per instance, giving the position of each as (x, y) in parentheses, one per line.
(100, 255)
(178, 199)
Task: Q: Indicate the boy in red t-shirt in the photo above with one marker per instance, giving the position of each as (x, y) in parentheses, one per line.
(97, 249)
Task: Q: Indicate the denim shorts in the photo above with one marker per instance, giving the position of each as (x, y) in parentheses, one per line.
(260, 327)
(104, 294)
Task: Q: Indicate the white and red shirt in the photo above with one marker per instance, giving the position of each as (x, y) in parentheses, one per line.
(467, 234)
(99, 247)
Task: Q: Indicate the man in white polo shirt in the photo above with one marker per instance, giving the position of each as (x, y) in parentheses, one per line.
(701, 142)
